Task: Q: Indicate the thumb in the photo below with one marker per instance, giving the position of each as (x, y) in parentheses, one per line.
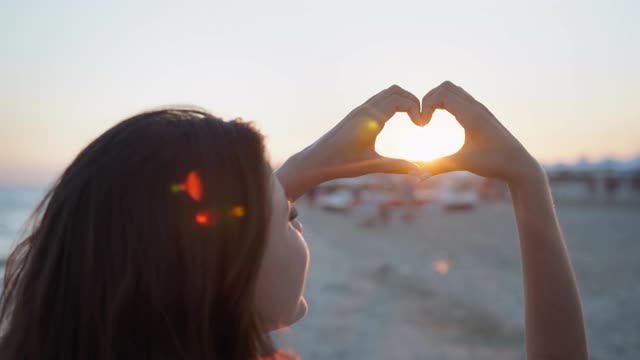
(393, 166)
(378, 164)
(444, 164)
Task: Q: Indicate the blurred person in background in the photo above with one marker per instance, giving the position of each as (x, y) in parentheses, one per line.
(408, 196)
(372, 207)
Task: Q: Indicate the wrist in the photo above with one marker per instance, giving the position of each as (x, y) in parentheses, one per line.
(529, 181)
(297, 176)
(528, 172)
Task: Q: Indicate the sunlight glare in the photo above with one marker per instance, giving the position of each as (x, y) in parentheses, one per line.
(400, 138)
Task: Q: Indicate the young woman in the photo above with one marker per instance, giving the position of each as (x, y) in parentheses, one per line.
(170, 237)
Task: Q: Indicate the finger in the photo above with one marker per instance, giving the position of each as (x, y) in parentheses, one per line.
(425, 119)
(447, 97)
(392, 166)
(377, 165)
(371, 99)
(443, 165)
(414, 115)
(383, 96)
(458, 90)
(398, 103)
(429, 105)
(394, 89)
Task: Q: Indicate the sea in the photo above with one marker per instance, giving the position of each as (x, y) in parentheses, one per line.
(16, 205)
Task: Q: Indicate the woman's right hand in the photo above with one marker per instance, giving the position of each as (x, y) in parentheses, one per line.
(554, 324)
(489, 149)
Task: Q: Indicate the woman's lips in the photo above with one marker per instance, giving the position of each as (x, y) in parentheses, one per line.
(297, 225)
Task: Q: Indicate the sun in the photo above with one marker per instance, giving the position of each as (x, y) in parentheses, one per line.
(400, 138)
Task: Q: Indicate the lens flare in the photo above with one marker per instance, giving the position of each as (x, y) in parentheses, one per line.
(175, 188)
(441, 266)
(373, 125)
(202, 218)
(207, 217)
(193, 185)
(237, 211)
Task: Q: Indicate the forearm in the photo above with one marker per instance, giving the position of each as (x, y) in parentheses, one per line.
(296, 176)
(553, 313)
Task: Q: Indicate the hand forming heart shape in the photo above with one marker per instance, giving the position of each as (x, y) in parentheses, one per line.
(349, 149)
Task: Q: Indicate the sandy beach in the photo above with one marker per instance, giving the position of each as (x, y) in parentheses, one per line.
(449, 285)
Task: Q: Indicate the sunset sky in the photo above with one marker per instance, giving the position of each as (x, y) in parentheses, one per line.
(564, 77)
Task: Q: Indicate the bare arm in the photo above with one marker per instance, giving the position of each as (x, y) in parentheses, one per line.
(295, 177)
(554, 325)
(553, 314)
(553, 317)
(347, 150)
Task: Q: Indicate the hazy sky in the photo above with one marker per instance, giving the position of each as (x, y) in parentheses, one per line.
(564, 77)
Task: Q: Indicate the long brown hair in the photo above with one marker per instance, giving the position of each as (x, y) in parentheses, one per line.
(147, 247)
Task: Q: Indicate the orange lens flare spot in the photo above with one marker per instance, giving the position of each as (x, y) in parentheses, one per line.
(193, 186)
(441, 266)
(237, 211)
(203, 218)
(206, 217)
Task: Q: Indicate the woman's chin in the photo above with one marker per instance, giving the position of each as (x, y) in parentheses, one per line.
(301, 311)
(297, 315)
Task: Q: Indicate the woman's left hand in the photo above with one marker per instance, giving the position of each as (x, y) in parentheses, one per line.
(348, 150)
